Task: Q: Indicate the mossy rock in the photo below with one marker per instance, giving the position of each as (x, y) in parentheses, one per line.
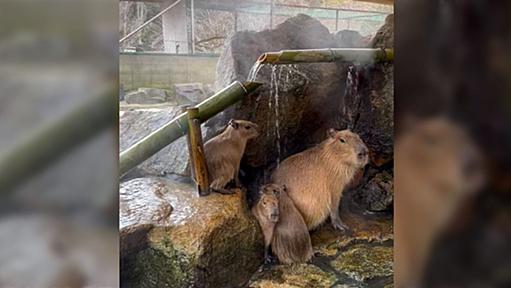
(364, 262)
(290, 276)
(200, 242)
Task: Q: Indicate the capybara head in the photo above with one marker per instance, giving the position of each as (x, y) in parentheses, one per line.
(348, 146)
(245, 129)
(269, 200)
(442, 154)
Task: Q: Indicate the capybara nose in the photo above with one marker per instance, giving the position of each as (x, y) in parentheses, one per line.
(274, 216)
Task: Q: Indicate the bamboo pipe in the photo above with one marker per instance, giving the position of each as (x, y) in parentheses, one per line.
(360, 55)
(57, 138)
(196, 150)
(178, 126)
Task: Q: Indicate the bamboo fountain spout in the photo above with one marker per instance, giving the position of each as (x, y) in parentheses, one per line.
(359, 55)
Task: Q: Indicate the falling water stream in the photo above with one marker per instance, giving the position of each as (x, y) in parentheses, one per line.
(252, 75)
(273, 102)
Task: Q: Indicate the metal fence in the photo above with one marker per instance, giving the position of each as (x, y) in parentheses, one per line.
(211, 23)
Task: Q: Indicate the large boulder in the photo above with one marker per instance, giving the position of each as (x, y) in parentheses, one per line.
(350, 39)
(194, 92)
(135, 124)
(384, 37)
(171, 237)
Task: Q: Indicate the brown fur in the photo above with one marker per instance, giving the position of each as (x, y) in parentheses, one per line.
(224, 152)
(267, 213)
(316, 177)
(291, 241)
(436, 170)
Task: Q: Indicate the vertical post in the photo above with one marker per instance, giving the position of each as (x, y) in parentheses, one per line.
(184, 109)
(197, 156)
(271, 13)
(336, 20)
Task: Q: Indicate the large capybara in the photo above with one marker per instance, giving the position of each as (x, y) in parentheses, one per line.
(224, 152)
(316, 177)
(266, 211)
(437, 168)
(291, 241)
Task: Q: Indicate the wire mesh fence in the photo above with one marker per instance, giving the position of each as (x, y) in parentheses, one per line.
(210, 23)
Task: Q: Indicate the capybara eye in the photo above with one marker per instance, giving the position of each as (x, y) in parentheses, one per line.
(342, 140)
(247, 127)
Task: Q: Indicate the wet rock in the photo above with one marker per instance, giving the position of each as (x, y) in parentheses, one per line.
(194, 92)
(350, 39)
(201, 242)
(146, 96)
(137, 123)
(329, 242)
(363, 259)
(378, 193)
(369, 100)
(369, 109)
(297, 275)
(364, 262)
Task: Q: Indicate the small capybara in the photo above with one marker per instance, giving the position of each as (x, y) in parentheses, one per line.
(291, 241)
(316, 177)
(224, 152)
(266, 212)
(438, 168)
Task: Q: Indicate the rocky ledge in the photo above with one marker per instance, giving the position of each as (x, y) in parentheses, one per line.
(170, 237)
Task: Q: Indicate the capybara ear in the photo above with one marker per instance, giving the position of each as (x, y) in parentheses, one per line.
(233, 123)
(331, 132)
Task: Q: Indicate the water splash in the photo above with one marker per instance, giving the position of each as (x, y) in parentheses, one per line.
(277, 127)
(351, 89)
(252, 75)
(274, 97)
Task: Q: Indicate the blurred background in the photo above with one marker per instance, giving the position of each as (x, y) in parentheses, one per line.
(58, 143)
(453, 139)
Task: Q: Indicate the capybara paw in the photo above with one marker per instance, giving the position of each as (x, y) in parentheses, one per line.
(338, 225)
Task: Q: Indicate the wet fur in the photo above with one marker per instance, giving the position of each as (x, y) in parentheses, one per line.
(291, 241)
(224, 152)
(316, 177)
(263, 213)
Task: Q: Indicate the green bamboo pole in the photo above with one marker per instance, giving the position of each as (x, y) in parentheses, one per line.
(45, 146)
(359, 55)
(178, 126)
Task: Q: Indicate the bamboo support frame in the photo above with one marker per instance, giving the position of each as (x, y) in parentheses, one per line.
(359, 55)
(178, 126)
(196, 150)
